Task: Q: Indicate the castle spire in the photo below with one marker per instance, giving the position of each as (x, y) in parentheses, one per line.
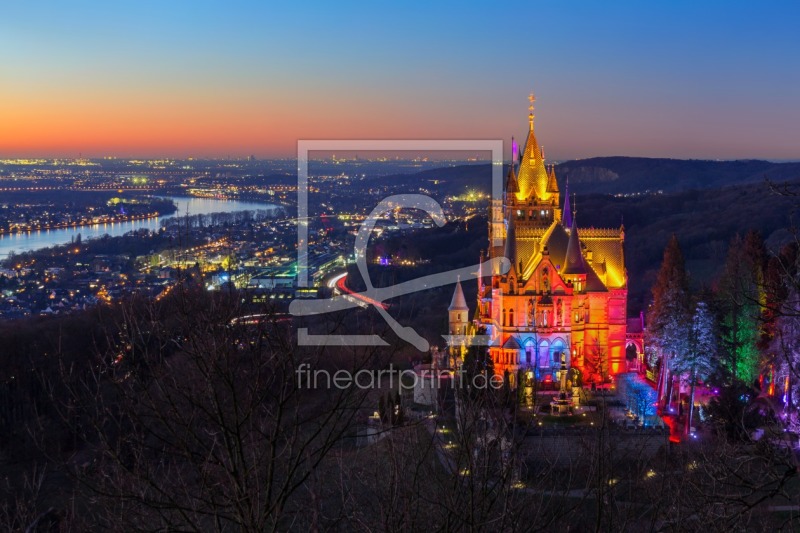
(531, 99)
(512, 187)
(566, 218)
(532, 175)
(459, 302)
(573, 260)
(552, 184)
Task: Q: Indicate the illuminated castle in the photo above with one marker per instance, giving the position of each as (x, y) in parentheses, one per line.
(566, 290)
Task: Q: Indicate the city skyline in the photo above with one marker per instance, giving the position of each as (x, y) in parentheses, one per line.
(195, 80)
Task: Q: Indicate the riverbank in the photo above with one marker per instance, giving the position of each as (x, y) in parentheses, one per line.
(47, 238)
(96, 221)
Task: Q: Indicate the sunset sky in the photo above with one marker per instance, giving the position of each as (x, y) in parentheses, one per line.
(721, 80)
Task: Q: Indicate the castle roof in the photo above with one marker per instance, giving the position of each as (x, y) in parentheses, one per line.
(459, 302)
(573, 258)
(608, 258)
(552, 184)
(512, 344)
(512, 187)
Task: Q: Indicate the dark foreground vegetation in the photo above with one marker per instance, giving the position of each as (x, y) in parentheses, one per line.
(173, 415)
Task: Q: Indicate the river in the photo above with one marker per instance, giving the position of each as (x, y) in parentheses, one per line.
(23, 242)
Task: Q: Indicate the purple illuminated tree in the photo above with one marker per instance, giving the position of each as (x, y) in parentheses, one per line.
(670, 316)
(697, 361)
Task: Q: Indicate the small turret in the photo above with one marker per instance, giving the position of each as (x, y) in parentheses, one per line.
(566, 217)
(458, 311)
(573, 260)
(552, 184)
(512, 187)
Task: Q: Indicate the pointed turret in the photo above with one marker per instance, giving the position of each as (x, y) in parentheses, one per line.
(552, 184)
(566, 217)
(511, 241)
(459, 302)
(512, 187)
(573, 260)
(532, 176)
(458, 312)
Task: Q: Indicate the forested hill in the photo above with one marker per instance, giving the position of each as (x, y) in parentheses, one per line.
(705, 221)
(637, 174)
(624, 175)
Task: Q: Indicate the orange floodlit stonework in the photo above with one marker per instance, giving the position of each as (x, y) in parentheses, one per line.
(566, 291)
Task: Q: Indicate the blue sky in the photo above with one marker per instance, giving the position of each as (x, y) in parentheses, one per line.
(677, 79)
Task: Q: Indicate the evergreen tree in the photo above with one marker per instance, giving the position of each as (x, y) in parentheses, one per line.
(669, 316)
(697, 362)
(742, 301)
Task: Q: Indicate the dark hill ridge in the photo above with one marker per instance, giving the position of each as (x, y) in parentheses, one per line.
(704, 221)
(729, 197)
(637, 174)
(623, 174)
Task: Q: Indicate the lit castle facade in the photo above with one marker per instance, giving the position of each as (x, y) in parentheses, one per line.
(566, 290)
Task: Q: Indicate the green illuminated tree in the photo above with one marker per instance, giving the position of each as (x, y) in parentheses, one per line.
(742, 301)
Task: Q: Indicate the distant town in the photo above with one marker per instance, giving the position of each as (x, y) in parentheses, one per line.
(244, 236)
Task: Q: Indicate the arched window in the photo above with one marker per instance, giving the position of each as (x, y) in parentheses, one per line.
(504, 317)
(544, 354)
(511, 317)
(556, 348)
(530, 352)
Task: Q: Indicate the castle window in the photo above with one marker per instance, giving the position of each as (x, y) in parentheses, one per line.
(544, 355)
(511, 318)
(504, 317)
(556, 349)
(530, 352)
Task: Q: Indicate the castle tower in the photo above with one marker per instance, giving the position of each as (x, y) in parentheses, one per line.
(458, 322)
(565, 293)
(458, 311)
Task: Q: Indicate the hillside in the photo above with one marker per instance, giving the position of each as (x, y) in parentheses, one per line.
(705, 219)
(623, 175)
(637, 174)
